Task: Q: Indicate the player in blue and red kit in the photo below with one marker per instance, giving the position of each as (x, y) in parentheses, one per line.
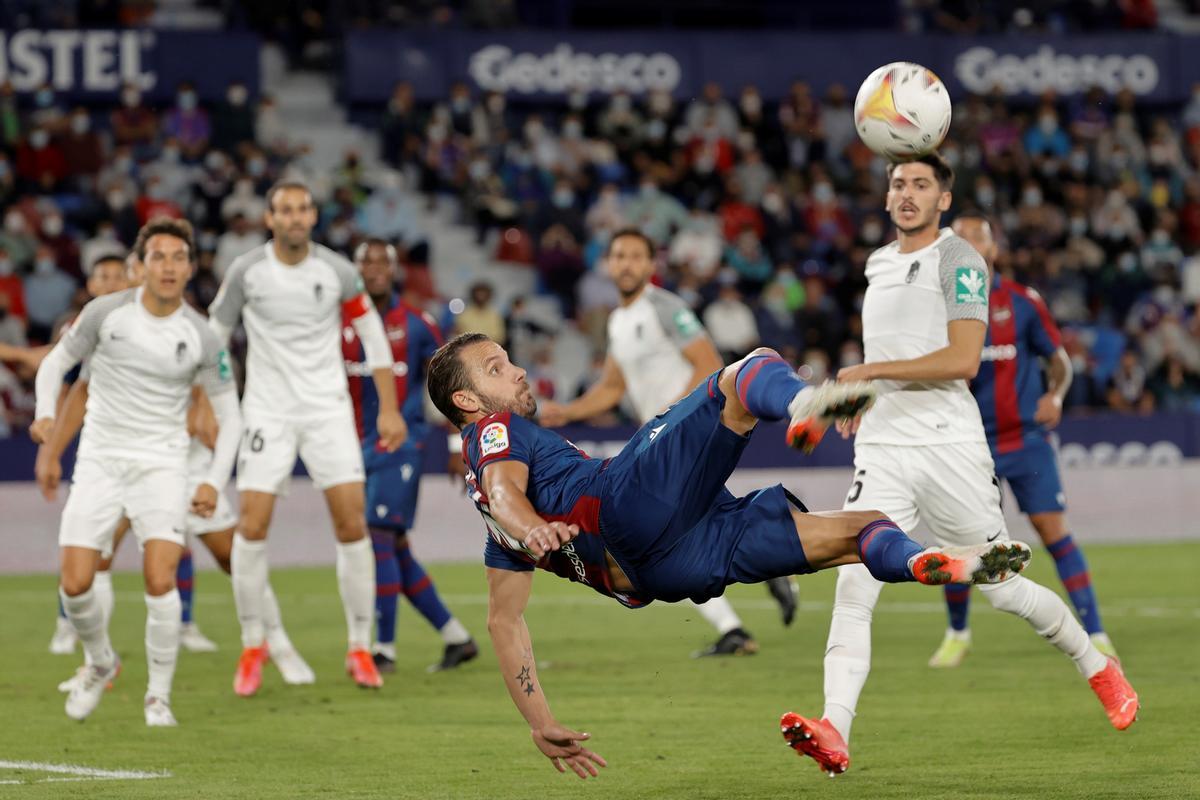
(393, 479)
(1018, 410)
(656, 521)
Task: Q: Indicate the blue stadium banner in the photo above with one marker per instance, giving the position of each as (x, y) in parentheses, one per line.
(1157, 67)
(92, 65)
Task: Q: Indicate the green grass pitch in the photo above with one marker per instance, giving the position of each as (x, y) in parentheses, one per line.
(1015, 721)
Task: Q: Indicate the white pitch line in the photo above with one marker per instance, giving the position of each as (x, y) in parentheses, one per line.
(83, 773)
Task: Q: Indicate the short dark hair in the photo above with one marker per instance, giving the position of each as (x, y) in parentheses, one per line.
(636, 233)
(360, 252)
(941, 169)
(447, 375)
(179, 228)
(106, 257)
(280, 186)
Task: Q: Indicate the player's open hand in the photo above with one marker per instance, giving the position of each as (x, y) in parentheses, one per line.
(562, 746)
(551, 536)
(848, 427)
(204, 502)
(393, 431)
(48, 471)
(40, 430)
(858, 372)
(551, 414)
(1049, 410)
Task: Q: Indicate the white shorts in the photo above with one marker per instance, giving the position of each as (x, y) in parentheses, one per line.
(329, 448)
(952, 488)
(223, 518)
(153, 497)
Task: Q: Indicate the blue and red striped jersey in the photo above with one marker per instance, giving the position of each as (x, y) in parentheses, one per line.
(414, 336)
(1010, 381)
(564, 485)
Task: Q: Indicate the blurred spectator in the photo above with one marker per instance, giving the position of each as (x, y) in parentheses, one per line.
(400, 125)
(81, 146)
(390, 213)
(188, 122)
(132, 123)
(730, 322)
(40, 161)
(270, 133)
(711, 111)
(48, 294)
(156, 201)
(1127, 390)
(15, 239)
(750, 264)
(242, 237)
(63, 245)
(11, 287)
(10, 117)
(1174, 387)
(233, 119)
(655, 212)
(47, 113)
(480, 316)
(560, 264)
(12, 326)
(245, 201)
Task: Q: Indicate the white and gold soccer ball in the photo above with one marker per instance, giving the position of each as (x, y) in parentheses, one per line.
(902, 110)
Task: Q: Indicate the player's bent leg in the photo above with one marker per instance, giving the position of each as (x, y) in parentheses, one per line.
(356, 578)
(220, 546)
(1052, 620)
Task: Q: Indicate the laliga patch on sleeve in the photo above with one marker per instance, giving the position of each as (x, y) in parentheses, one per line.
(494, 439)
(969, 283)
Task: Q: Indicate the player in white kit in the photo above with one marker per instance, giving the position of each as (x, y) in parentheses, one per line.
(658, 352)
(290, 294)
(921, 453)
(145, 349)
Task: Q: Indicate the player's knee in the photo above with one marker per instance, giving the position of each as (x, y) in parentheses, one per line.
(74, 585)
(159, 582)
(349, 529)
(253, 527)
(1016, 595)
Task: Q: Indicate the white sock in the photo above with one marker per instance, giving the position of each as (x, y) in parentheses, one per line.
(276, 637)
(454, 632)
(848, 649)
(720, 614)
(162, 641)
(356, 584)
(248, 568)
(1050, 617)
(87, 617)
(103, 587)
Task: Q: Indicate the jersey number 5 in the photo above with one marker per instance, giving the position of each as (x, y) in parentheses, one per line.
(856, 487)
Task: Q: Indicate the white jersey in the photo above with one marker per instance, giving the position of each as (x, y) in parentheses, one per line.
(646, 339)
(909, 301)
(141, 369)
(293, 320)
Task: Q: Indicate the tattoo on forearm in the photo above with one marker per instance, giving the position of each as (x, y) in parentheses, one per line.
(526, 680)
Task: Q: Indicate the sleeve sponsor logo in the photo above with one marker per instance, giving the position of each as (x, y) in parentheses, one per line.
(969, 284)
(686, 322)
(224, 368)
(493, 439)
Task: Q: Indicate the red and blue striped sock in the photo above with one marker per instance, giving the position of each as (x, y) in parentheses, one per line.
(387, 584)
(766, 385)
(958, 604)
(885, 550)
(1073, 570)
(419, 588)
(185, 581)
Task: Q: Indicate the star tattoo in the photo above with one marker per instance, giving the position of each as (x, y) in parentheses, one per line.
(529, 689)
(523, 676)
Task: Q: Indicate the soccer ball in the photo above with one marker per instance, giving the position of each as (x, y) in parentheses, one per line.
(902, 110)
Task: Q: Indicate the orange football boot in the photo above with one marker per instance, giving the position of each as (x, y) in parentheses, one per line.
(978, 563)
(361, 666)
(818, 740)
(1116, 694)
(815, 408)
(248, 677)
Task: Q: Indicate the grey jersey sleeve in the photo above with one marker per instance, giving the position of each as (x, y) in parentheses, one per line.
(678, 320)
(348, 277)
(226, 308)
(964, 278)
(215, 371)
(84, 334)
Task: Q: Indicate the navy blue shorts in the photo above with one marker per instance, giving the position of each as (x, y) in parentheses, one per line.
(393, 480)
(1032, 473)
(670, 523)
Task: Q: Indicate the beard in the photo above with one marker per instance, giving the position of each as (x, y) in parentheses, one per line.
(523, 404)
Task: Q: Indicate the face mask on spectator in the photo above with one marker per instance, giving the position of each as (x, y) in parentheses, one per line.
(649, 190)
(187, 100)
(656, 129)
(1032, 197)
(534, 131)
(170, 155)
(572, 129)
(495, 104)
(256, 166)
(207, 240)
(772, 203)
(237, 95)
(751, 104)
(43, 98)
(156, 191)
(660, 103)
(1119, 161)
(80, 123)
(1048, 124)
(1160, 237)
(952, 156)
(131, 98)
(116, 200)
(14, 223)
(1127, 262)
(577, 100)
(214, 160)
(44, 266)
(1164, 295)
(985, 196)
(823, 193)
(436, 134)
(4, 168)
(480, 169)
(244, 187)
(563, 198)
(39, 139)
(1078, 226)
(621, 102)
(6, 267)
(339, 235)
(872, 232)
(52, 226)
(1079, 160)
(106, 233)
(460, 104)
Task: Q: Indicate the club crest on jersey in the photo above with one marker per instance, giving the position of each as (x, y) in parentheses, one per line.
(494, 439)
(912, 272)
(180, 352)
(970, 283)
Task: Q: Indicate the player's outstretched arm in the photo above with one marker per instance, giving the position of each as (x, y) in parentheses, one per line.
(958, 360)
(604, 395)
(505, 483)
(508, 594)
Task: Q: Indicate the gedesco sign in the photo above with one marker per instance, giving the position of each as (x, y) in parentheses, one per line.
(981, 69)
(498, 68)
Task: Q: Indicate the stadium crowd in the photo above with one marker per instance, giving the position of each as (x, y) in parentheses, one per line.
(764, 213)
